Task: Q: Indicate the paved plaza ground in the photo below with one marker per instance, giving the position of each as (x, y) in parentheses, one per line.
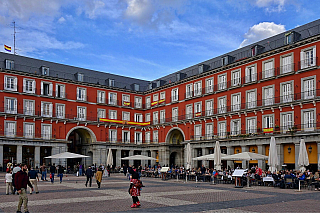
(160, 196)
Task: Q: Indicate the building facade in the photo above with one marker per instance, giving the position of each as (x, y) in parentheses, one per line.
(242, 98)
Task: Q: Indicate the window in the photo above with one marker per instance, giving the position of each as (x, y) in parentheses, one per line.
(189, 93)
(222, 82)
(222, 105)
(46, 109)
(189, 111)
(113, 114)
(289, 38)
(60, 91)
(251, 74)
(111, 82)
(308, 123)
(287, 63)
(126, 116)
(148, 117)
(209, 107)
(80, 77)
(11, 105)
(138, 117)
(286, 92)
(198, 88)
(251, 125)
(155, 97)
(147, 137)
(197, 132)
(235, 127)
(28, 131)
(162, 96)
(138, 102)
(9, 64)
(46, 131)
(46, 88)
(82, 113)
(308, 89)
(268, 69)
(209, 131)
(222, 129)
(112, 98)
(101, 113)
(286, 121)
(175, 95)
(81, 94)
(236, 78)
(268, 95)
(148, 102)
(162, 116)
(60, 110)
(155, 118)
(45, 71)
(136, 87)
(29, 86)
(138, 137)
(174, 114)
(251, 99)
(125, 136)
(236, 102)
(113, 135)
(28, 107)
(155, 136)
(197, 109)
(101, 97)
(10, 128)
(10, 83)
(268, 122)
(126, 100)
(308, 57)
(209, 85)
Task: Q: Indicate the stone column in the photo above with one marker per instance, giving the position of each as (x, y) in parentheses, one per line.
(103, 156)
(144, 162)
(230, 151)
(262, 151)
(130, 154)
(205, 151)
(318, 146)
(296, 150)
(19, 154)
(280, 153)
(153, 155)
(37, 156)
(118, 157)
(1, 158)
(244, 162)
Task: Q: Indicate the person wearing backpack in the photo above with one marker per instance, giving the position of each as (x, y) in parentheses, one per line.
(135, 188)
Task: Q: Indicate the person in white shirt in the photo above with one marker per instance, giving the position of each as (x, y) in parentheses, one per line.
(9, 182)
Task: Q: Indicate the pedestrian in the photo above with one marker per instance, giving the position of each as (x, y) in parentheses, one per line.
(89, 175)
(43, 170)
(99, 177)
(9, 182)
(125, 170)
(80, 169)
(16, 168)
(21, 181)
(60, 172)
(108, 169)
(33, 176)
(135, 188)
(52, 171)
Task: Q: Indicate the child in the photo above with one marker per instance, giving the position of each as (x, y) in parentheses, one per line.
(9, 182)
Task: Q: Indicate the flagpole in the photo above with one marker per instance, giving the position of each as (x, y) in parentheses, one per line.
(14, 37)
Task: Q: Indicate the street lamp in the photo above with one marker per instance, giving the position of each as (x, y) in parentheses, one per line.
(289, 149)
(253, 150)
(310, 149)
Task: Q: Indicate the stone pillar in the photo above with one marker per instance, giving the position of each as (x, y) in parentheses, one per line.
(318, 146)
(37, 156)
(118, 157)
(262, 151)
(19, 154)
(164, 156)
(130, 154)
(296, 150)
(244, 162)
(153, 155)
(144, 162)
(230, 151)
(205, 151)
(103, 156)
(1, 158)
(280, 153)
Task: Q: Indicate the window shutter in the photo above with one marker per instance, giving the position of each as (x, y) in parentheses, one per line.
(50, 89)
(15, 106)
(24, 85)
(15, 84)
(314, 57)
(50, 110)
(78, 94)
(41, 108)
(57, 90)
(33, 87)
(41, 88)
(302, 59)
(5, 82)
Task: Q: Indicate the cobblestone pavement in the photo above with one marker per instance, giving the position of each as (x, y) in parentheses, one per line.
(160, 196)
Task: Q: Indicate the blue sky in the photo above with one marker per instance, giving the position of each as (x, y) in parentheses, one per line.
(144, 39)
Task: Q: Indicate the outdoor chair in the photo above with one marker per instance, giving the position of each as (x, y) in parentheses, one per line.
(289, 183)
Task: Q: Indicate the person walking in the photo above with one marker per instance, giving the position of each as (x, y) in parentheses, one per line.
(125, 170)
(52, 171)
(89, 175)
(21, 181)
(43, 170)
(99, 177)
(16, 168)
(33, 176)
(9, 182)
(135, 188)
(60, 172)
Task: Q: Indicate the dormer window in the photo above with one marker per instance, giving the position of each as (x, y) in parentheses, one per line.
(80, 76)
(9, 64)
(200, 69)
(135, 87)
(150, 86)
(178, 76)
(256, 50)
(45, 71)
(226, 60)
(291, 37)
(111, 82)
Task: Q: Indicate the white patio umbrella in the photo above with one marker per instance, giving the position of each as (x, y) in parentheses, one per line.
(245, 156)
(303, 159)
(217, 156)
(273, 155)
(208, 157)
(67, 155)
(138, 157)
(110, 158)
(188, 156)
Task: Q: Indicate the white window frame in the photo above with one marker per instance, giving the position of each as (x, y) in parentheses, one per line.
(162, 95)
(209, 131)
(251, 73)
(189, 111)
(147, 137)
(101, 97)
(236, 106)
(112, 98)
(209, 112)
(58, 113)
(148, 117)
(308, 125)
(268, 95)
(113, 114)
(126, 140)
(81, 94)
(155, 117)
(113, 132)
(175, 114)
(155, 97)
(209, 85)
(9, 64)
(81, 116)
(286, 66)
(155, 136)
(175, 94)
(222, 81)
(125, 116)
(310, 93)
(138, 140)
(251, 103)
(138, 117)
(148, 102)
(198, 88)
(138, 102)
(13, 83)
(101, 113)
(10, 105)
(197, 134)
(26, 110)
(251, 125)
(308, 57)
(286, 91)
(125, 98)
(189, 90)
(27, 132)
(268, 121)
(268, 68)
(222, 129)
(236, 77)
(46, 133)
(46, 109)
(50, 88)
(10, 131)
(285, 123)
(197, 108)
(162, 116)
(26, 86)
(60, 94)
(235, 129)
(222, 104)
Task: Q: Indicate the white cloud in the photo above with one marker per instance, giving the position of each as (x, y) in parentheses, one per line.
(261, 31)
(61, 20)
(272, 5)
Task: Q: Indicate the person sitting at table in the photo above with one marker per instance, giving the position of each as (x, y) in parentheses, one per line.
(269, 174)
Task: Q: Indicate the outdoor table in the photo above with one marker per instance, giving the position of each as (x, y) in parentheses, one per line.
(268, 179)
